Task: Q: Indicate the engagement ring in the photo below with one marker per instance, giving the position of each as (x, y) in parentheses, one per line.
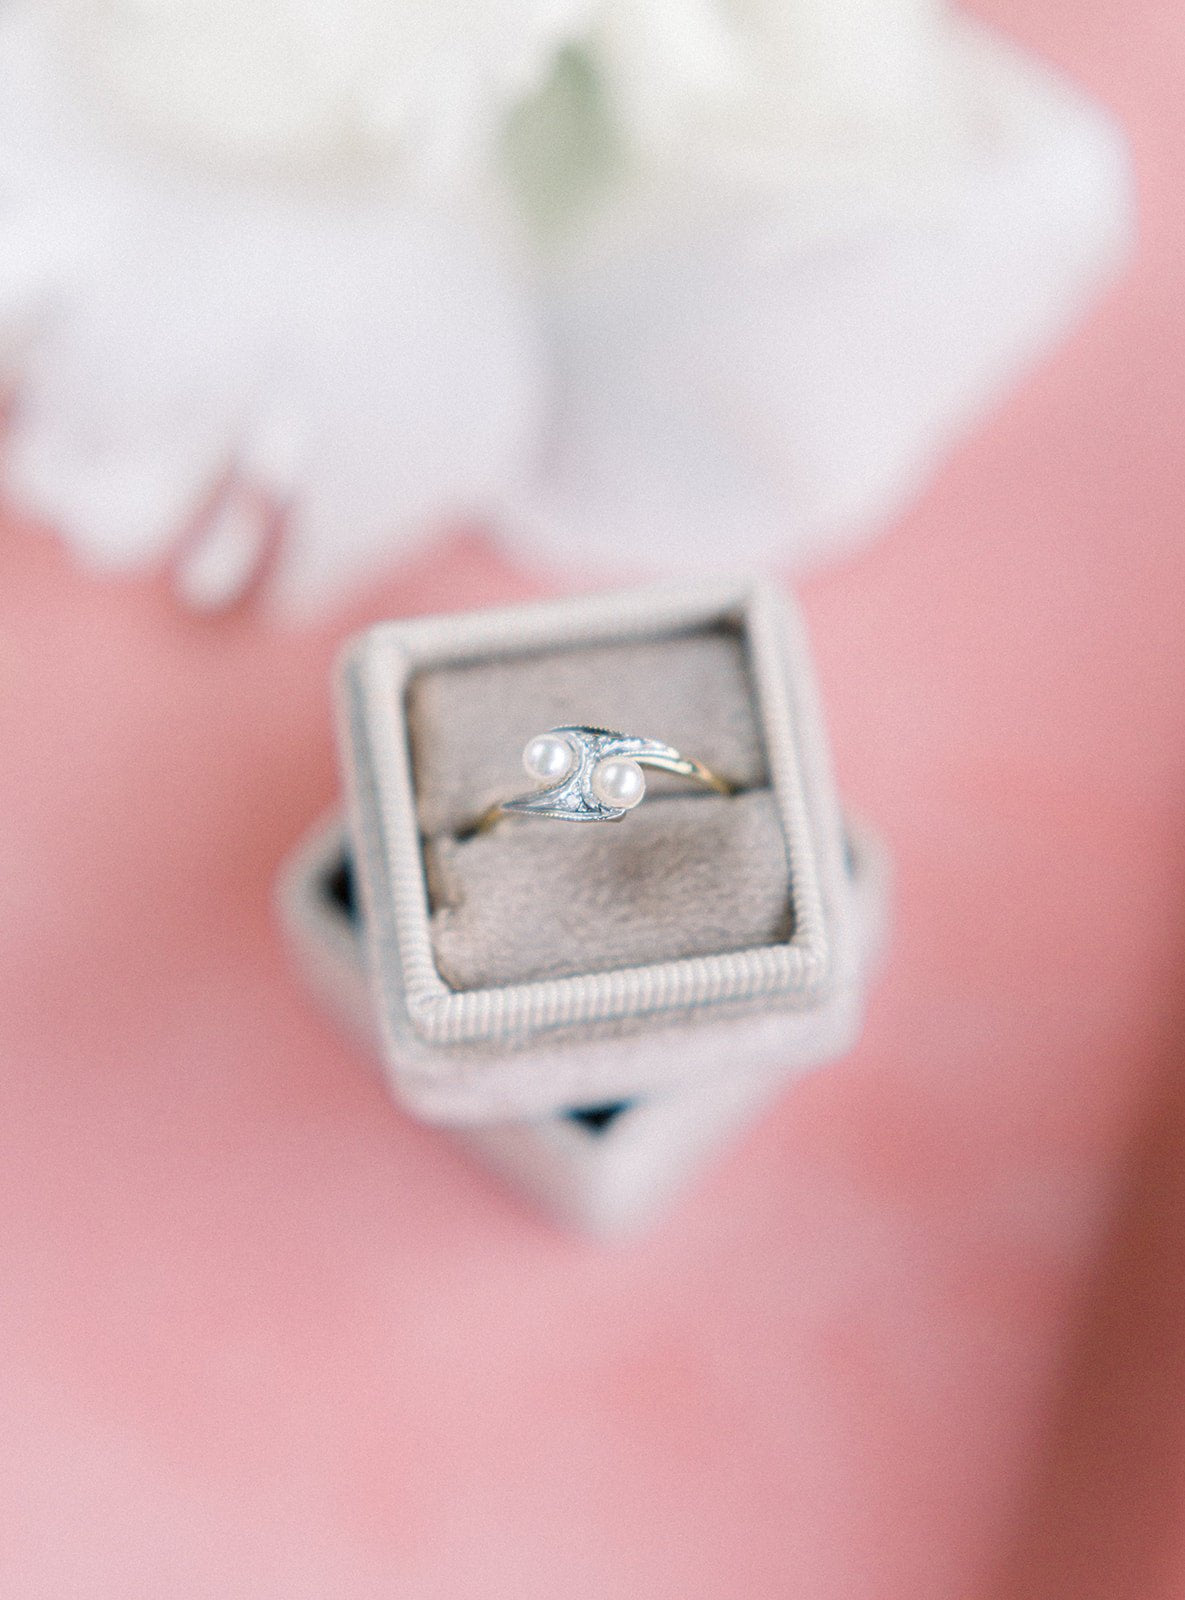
(593, 775)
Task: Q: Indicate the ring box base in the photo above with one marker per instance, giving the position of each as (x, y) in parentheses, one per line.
(598, 1169)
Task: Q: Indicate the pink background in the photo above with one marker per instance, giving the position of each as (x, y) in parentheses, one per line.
(922, 1335)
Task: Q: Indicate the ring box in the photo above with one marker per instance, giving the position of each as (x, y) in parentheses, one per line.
(544, 964)
(601, 1169)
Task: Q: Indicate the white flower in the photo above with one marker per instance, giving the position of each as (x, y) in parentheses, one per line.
(658, 282)
(360, 361)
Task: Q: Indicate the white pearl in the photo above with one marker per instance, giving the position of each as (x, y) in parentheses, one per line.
(549, 757)
(618, 781)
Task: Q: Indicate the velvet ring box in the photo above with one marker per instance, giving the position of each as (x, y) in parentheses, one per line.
(600, 1169)
(545, 964)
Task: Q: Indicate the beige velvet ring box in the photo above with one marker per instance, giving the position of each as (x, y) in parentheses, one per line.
(600, 1169)
(703, 938)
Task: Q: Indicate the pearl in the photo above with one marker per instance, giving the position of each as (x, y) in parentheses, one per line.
(617, 781)
(549, 757)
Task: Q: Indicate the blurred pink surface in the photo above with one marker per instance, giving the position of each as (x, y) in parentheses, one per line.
(922, 1335)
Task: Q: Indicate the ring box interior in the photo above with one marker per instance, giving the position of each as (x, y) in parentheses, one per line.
(547, 961)
(688, 873)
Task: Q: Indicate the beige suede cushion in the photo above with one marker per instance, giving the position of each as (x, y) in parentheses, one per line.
(689, 873)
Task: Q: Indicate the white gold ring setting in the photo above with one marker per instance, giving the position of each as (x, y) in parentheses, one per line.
(586, 774)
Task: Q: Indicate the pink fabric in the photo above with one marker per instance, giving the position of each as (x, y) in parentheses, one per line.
(922, 1336)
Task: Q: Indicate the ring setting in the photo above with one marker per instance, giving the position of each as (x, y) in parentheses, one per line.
(586, 774)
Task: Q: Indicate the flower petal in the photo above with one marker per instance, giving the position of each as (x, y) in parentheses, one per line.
(730, 390)
(407, 394)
